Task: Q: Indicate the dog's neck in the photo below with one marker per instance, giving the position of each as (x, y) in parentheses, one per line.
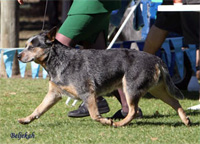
(53, 53)
(59, 44)
(56, 44)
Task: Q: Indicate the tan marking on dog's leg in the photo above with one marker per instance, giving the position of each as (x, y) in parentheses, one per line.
(157, 73)
(94, 113)
(131, 115)
(71, 90)
(52, 97)
(133, 106)
(161, 93)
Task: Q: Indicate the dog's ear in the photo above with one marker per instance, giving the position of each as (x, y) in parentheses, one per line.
(52, 34)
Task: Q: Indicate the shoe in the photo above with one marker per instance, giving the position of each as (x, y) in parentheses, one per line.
(82, 111)
(120, 114)
(139, 114)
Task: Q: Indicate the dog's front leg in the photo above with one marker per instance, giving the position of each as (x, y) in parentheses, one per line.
(52, 97)
(94, 112)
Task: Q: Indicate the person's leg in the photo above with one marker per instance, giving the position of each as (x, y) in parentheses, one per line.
(154, 40)
(198, 64)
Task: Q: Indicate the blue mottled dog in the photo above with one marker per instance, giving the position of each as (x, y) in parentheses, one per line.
(87, 74)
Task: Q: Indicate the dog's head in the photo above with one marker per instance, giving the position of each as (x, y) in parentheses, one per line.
(37, 47)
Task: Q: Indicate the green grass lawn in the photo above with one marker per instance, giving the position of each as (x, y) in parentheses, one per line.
(161, 124)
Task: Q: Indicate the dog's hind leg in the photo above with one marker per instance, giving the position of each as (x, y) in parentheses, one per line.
(132, 97)
(52, 97)
(133, 107)
(93, 110)
(160, 92)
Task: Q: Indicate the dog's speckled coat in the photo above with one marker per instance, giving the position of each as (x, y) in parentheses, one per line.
(87, 74)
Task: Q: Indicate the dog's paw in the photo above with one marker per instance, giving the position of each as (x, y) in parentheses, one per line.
(118, 124)
(106, 121)
(24, 121)
(110, 122)
(115, 125)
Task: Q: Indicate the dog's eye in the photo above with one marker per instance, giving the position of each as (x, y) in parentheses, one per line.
(35, 42)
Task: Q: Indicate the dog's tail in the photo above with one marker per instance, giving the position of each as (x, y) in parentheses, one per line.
(169, 84)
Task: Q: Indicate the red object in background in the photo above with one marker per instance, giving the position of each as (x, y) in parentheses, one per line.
(177, 2)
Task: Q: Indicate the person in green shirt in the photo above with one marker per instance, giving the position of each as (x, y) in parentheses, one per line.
(87, 23)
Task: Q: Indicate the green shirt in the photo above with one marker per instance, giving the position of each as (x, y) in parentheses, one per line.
(93, 6)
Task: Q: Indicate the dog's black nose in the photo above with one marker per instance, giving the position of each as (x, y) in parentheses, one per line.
(19, 56)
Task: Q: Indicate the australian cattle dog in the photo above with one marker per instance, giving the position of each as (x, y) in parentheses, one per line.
(87, 74)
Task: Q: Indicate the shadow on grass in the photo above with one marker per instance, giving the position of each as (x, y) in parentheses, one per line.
(163, 123)
(188, 112)
(187, 95)
(192, 112)
(138, 123)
